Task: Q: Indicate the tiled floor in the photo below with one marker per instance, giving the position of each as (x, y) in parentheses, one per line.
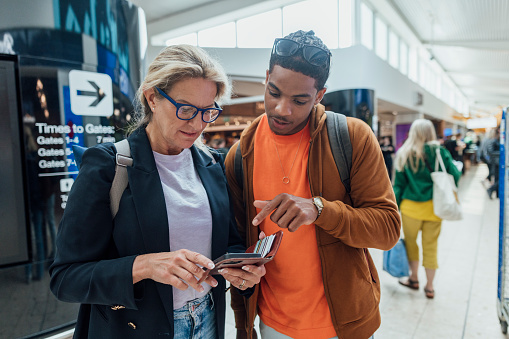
(465, 304)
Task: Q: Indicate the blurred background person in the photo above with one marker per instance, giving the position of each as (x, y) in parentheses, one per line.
(219, 144)
(484, 154)
(493, 156)
(415, 161)
(387, 151)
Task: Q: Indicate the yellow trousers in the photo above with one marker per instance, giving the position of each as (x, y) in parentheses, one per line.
(430, 232)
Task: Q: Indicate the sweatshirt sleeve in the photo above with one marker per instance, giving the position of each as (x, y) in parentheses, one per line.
(372, 221)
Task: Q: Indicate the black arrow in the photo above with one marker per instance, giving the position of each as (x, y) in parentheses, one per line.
(99, 93)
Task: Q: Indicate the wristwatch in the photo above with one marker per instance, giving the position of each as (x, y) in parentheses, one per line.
(317, 201)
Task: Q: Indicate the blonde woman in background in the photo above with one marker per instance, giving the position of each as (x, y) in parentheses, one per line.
(414, 193)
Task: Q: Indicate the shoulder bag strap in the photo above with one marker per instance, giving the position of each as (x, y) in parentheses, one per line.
(440, 161)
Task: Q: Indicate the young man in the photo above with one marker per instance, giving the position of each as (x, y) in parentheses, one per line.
(322, 283)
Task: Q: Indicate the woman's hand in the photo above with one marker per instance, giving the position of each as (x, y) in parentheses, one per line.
(245, 277)
(179, 269)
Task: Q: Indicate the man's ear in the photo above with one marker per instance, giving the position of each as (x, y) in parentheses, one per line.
(319, 95)
(266, 77)
(150, 96)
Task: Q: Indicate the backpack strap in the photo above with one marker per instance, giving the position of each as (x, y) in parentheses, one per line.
(340, 145)
(237, 166)
(122, 159)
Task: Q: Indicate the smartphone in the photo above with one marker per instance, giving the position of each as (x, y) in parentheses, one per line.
(235, 260)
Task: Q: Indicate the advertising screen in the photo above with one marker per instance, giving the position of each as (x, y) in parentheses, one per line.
(13, 229)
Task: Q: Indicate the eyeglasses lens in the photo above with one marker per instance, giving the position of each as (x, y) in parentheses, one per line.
(210, 115)
(186, 112)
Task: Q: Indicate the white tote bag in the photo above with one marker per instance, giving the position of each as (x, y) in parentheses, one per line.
(445, 199)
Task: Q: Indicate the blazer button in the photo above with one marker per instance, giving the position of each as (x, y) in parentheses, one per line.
(117, 307)
(131, 325)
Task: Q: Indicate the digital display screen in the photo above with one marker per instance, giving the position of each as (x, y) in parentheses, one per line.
(13, 223)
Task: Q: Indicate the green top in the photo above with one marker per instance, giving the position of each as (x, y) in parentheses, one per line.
(419, 186)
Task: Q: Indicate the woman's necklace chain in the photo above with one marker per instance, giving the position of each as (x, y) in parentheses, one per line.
(286, 178)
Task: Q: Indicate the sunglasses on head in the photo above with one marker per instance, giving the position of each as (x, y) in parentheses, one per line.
(316, 56)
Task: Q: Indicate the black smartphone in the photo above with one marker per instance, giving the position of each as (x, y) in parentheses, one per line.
(235, 260)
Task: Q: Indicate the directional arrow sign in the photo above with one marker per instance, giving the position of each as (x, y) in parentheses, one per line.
(98, 94)
(91, 93)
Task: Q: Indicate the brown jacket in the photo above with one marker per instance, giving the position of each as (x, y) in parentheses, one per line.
(343, 232)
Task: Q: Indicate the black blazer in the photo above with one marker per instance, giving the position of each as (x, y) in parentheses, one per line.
(95, 254)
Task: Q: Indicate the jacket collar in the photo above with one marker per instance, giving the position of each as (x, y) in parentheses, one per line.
(141, 151)
(143, 159)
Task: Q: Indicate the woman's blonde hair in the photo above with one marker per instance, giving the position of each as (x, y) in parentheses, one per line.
(173, 64)
(421, 132)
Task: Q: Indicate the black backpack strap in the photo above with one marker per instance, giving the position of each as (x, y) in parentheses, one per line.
(341, 146)
(237, 166)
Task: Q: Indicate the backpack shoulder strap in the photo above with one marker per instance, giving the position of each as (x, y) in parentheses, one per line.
(341, 146)
(237, 166)
(122, 159)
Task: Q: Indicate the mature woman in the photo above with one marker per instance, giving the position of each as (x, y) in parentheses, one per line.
(414, 192)
(136, 275)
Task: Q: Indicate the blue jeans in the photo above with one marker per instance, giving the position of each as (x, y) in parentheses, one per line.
(196, 319)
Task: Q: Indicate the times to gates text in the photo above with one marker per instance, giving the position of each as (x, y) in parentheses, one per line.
(50, 143)
(44, 128)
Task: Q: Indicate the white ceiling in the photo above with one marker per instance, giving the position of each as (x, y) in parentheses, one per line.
(468, 38)
(158, 9)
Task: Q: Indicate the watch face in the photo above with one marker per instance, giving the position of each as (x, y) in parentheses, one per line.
(318, 202)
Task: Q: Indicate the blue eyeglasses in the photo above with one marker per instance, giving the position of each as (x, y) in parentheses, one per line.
(188, 112)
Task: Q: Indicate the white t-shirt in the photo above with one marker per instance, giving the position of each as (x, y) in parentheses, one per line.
(189, 215)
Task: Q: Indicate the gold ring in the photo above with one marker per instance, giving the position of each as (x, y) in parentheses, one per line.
(241, 286)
